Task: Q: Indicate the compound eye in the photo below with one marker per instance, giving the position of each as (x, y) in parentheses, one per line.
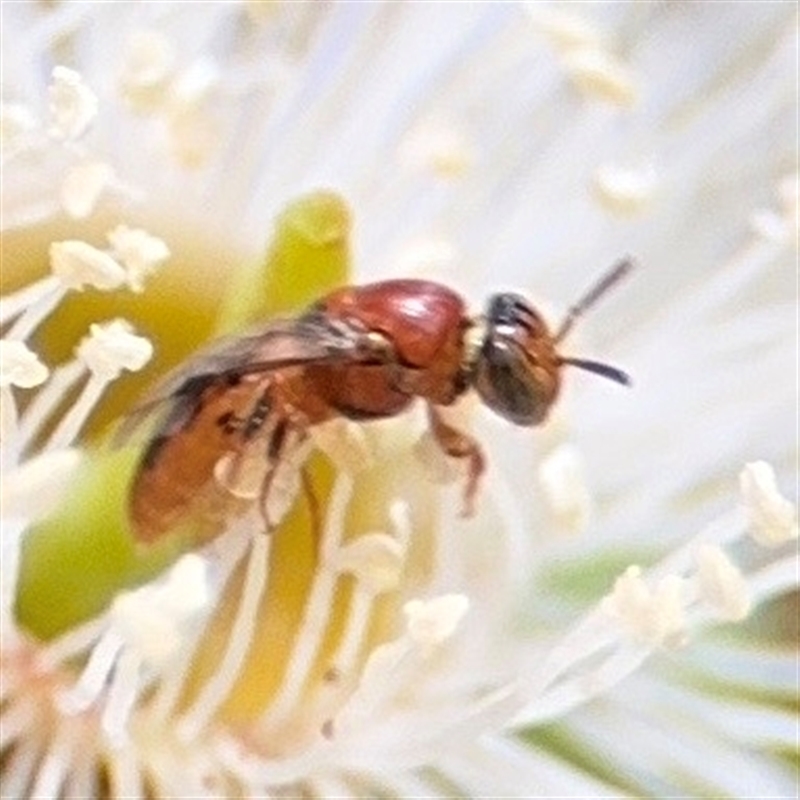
(510, 385)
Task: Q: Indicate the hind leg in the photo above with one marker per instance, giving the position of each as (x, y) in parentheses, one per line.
(457, 444)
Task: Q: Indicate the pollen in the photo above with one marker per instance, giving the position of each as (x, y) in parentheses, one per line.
(376, 561)
(112, 347)
(772, 518)
(440, 147)
(82, 187)
(20, 366)
(721, 584)
(601, 76)
(564, 29)
(431, 622)
(780, 225)
(655, 617)
(562, 476)
(78, 264)
(17, 123)
(152, 619)
(625, 190)
(139, 251)
(73, 105)
(148, 66)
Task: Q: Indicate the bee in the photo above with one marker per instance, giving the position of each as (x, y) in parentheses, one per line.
(361, 353)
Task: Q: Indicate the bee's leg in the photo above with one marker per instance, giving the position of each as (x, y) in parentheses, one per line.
(286, 438)
(314, 510)
(458, 444)
(242, 429)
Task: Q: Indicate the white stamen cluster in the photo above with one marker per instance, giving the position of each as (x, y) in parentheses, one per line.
(113, 347)
(154, 83)
(64, 135)
(780, 225)
(133, 256)
(773, 519)
(652, 616)
(73, 105)
(78, 264)
(625, 190)
(20, 366)
(562, 476)
(440, 147)
(588, 63)
(434, 621)
(17, 124)
(721, 584)
(83, 185)
(142, 634)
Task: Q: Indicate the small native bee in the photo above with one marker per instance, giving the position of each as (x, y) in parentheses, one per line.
(362, 353)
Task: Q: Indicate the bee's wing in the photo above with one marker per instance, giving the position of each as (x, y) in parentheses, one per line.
(310, 339)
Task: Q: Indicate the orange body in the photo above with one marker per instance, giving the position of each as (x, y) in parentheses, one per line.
(361, 352)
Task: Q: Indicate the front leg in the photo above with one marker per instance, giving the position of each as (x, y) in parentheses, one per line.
(458, 444)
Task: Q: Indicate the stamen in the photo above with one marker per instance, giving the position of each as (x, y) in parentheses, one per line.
(318, 608)
(625, 190)
(125, 775)
(82, 187)
(780, 226)
(139, 251)
(18, 718)
(46, 400)
(33, 489)
(23, 762)
(345, 443)
(147, 69)
(152, 619)
(16, 302)
(109, 349)
(224, 554)
(17, 123)
(600, 75)
(721, 584)
(566, 30)
(94, 676)
(79, 264)
(376, 561)
(562, 477)
(651, 616)
(53, 771)
(70, 644)
(431, 622)
(20, 366)
(142, 633)
(218, 687)
(122, 696)
(194, 135)
(440, 147)
(361, 607)
(775, 579)
(73, 105)
(773, 519)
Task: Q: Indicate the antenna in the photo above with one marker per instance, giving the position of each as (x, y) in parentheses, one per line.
(606, 281)
(604, 370)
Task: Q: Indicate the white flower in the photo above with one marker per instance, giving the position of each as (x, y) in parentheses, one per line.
(378, 643)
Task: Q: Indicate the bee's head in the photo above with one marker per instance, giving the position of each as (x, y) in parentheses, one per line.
(517, 368)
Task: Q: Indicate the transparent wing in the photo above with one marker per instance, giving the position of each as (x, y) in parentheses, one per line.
(312, 339)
